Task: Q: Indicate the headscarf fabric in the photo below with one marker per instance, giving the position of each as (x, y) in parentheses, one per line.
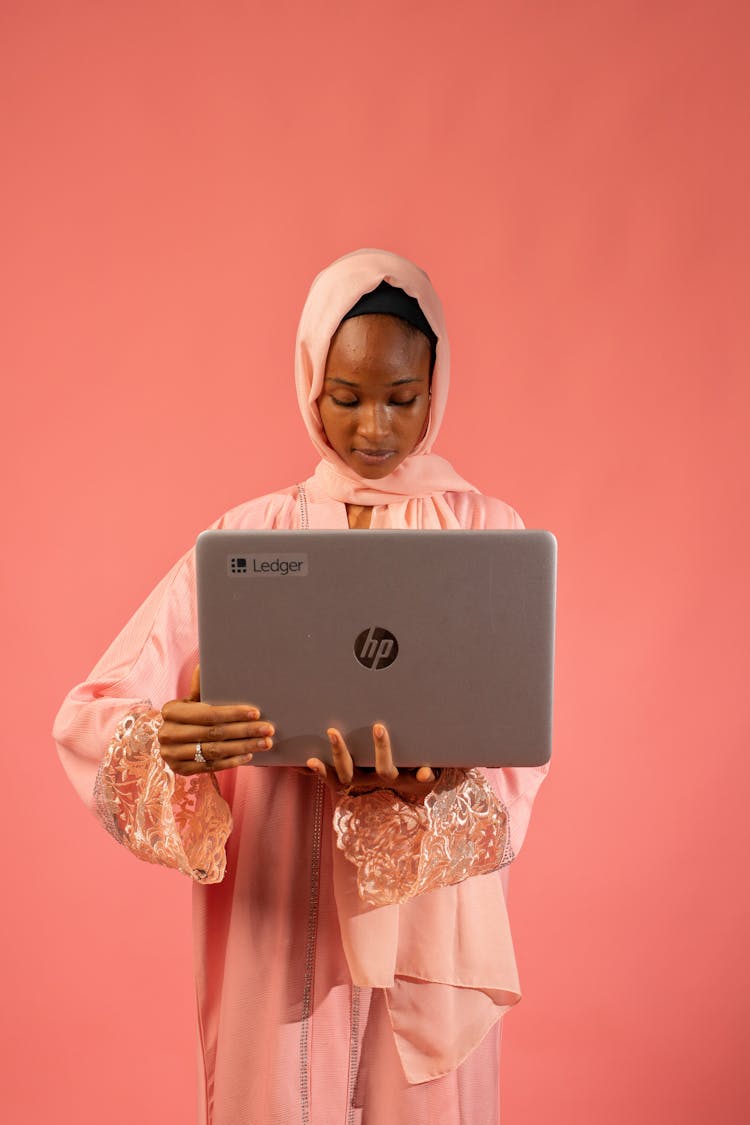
(332, 295)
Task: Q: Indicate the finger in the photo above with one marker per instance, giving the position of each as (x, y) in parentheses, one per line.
(205, 714)
(425, 774)
(223, 732)
(342, 759)
(195, 684)
(317, 767)
(187, 769)
(323, 771)
(384, 766)
(218, 751)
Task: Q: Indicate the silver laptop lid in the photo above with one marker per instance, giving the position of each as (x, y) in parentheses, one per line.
(447, 637)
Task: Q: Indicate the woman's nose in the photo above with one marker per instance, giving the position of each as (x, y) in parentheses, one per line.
(372, 421)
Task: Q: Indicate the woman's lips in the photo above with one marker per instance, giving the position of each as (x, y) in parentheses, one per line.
(374, 456)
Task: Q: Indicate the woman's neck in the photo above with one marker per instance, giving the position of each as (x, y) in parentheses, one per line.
(358, 516)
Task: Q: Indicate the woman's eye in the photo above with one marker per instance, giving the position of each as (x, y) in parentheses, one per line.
(355, 402)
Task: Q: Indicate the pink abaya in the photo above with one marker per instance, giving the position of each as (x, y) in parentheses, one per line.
(315, 1004)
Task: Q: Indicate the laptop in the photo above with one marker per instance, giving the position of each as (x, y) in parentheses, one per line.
(446, 637)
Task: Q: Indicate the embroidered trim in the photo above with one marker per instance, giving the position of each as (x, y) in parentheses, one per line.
(402, 849)
(160, 816)
(312, 935)
(353, 1055)
(304, 521)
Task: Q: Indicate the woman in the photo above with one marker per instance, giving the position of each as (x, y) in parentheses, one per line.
(352, 950)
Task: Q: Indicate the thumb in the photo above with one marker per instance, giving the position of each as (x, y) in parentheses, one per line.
(195, 685)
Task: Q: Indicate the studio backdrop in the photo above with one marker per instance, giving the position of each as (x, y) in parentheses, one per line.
(574, 178)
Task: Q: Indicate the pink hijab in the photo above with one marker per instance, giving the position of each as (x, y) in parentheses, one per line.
(423, 476)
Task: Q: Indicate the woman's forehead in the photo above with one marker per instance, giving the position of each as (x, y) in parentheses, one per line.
(378, 347)
(377, 331)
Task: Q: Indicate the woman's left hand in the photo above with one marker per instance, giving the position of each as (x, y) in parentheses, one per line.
(344, 774)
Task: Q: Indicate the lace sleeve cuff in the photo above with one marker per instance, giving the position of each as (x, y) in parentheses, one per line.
(160, 816)
(402, 849)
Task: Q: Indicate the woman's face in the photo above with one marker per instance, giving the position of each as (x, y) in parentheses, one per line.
(376, 393)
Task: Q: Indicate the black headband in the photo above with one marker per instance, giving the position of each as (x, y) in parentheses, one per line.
(393, 302)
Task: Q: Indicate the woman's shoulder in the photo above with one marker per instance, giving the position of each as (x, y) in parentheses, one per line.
(261, 512)
(475, 511)
(275, 509)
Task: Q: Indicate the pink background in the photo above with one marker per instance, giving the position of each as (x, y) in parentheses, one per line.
(574, 177)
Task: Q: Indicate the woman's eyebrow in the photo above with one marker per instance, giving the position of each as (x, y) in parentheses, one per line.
(395, 383)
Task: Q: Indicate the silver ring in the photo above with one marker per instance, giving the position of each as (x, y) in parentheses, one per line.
(199, 754)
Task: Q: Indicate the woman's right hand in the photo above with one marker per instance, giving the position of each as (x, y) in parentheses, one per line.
(228, 735)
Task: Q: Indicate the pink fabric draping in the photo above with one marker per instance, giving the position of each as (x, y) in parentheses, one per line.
(334, 291)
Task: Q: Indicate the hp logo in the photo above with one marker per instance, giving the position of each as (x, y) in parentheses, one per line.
(376, 648)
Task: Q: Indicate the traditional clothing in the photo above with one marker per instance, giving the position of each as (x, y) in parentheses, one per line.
(330, 990)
